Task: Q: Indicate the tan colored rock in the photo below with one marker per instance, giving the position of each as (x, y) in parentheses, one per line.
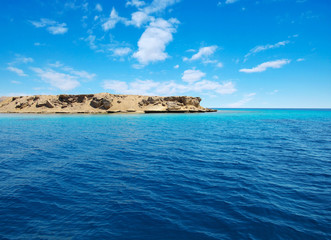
(100, 103)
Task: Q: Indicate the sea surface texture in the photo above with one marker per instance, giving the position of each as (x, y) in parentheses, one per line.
(235, 174)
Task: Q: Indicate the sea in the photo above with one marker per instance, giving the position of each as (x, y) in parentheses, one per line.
(234, 174)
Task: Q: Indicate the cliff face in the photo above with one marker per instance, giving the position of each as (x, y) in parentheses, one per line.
(100, 103)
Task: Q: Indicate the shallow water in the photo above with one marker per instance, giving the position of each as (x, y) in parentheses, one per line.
(235, 174)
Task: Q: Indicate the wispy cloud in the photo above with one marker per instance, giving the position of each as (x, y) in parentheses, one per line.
(18, 71)
(230, 1)
(19, 59)
(159, 5)
(203, 52)
(121, 51)
(98, 7)
(264, 66)
(15, 82)
(113, 19)
(265, 47)
(191, 82)
(59, 80)
(64, 78)
(135, 3)
(139, 18)
(150, 87)
(247, 98)
(191, 75)
(152, 43)
(52, 26)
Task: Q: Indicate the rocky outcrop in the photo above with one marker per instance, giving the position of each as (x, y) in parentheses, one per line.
(101, 103)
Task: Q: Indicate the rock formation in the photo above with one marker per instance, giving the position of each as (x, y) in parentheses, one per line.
(101, 103)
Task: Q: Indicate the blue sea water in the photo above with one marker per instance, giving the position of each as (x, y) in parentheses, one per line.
(234, 174)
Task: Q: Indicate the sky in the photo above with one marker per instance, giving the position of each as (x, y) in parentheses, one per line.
(231, 53)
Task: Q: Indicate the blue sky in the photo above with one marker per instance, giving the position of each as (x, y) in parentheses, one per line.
(231, 53)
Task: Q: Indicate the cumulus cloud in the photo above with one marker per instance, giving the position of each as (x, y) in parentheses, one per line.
(247, 98)
(191, 75)
(51, 26)
(138, 19)
(265, 47)
(203, 52)
(18, 71)
(176, 66)
(264, 66)
(64, 78)
(152, 43)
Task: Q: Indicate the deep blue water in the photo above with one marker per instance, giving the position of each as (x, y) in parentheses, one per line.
(235, 174)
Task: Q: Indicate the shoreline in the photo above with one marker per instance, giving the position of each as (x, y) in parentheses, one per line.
(101, 103)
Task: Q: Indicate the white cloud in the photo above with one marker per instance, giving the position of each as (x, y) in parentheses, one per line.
(135, 3)
(18, 71)
(176, 66)
(191, 75)
(300, 59)
(150, 87)
(59, 80)
(117, 86)
(152, 43)
(265, 47)
(121, 51)
(247, 98)
(138, 19)
(39, 44)
(159, 5)
(82, 74)
(91, 41)
(112, 20)
(15, 82)
(220, 65)
(22, 59)
(64, 78)
(264, 66)
(230, 1)
(58, 29)
(52, 26)
(98, 7)
(224, 88)
(204, 52)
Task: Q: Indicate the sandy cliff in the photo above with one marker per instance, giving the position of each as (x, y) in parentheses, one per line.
(100, 103)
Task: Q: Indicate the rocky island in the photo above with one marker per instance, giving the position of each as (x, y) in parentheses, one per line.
(101, 103)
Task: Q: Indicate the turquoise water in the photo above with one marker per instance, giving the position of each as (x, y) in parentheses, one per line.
(235, 174)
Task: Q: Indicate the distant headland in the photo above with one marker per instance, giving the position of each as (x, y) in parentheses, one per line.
(101, 103)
